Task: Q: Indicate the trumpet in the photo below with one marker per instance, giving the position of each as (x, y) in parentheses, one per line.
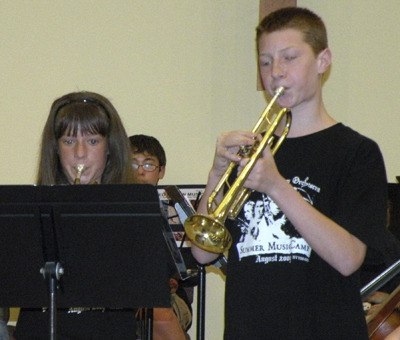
(79, 170)
(208, 232)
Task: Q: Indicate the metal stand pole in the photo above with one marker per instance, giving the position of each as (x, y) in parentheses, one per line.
(149, 323)
(52, 272)
(201, 303)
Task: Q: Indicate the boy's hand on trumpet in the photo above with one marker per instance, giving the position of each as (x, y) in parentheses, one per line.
(265, 175)
(227, 148)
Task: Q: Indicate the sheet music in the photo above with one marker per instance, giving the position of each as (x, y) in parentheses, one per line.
(176, 213)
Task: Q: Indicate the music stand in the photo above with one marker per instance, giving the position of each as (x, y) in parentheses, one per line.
(380, 280)
(107, 238)
(184, 210)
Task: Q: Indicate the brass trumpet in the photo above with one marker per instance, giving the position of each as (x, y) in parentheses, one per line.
(208, 232)
(79, 170)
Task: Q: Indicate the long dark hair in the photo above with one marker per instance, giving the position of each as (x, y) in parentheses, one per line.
(91, 113)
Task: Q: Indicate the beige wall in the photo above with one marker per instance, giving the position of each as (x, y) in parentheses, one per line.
(174, 69)
(183, 71)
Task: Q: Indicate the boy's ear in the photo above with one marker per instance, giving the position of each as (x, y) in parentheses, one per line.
(324, 60)
(161, 173)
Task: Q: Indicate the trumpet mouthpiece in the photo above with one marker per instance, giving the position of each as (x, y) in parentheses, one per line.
(279, 91)
(79, 169)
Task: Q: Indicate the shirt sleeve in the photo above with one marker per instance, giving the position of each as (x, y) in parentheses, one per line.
(362, 201)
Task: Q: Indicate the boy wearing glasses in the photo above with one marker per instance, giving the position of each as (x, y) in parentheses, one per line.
(148, 165)
(148, 159)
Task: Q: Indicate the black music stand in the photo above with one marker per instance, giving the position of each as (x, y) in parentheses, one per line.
(380, 280)
(106, 239)
(184, 210)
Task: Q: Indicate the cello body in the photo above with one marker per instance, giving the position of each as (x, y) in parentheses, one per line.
(387, 317)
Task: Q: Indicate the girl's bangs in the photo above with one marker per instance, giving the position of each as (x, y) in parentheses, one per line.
(85, 118)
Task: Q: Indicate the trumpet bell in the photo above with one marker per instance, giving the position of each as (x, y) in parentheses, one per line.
(208, 233)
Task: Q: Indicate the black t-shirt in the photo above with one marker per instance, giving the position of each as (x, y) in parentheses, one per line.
(277, 287)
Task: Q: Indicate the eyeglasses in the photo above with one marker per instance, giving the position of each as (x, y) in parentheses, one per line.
(146, 166)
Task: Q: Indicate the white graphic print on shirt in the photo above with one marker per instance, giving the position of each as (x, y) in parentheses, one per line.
(267, 234)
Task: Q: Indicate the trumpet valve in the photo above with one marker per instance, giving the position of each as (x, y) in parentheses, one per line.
(245, 150)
